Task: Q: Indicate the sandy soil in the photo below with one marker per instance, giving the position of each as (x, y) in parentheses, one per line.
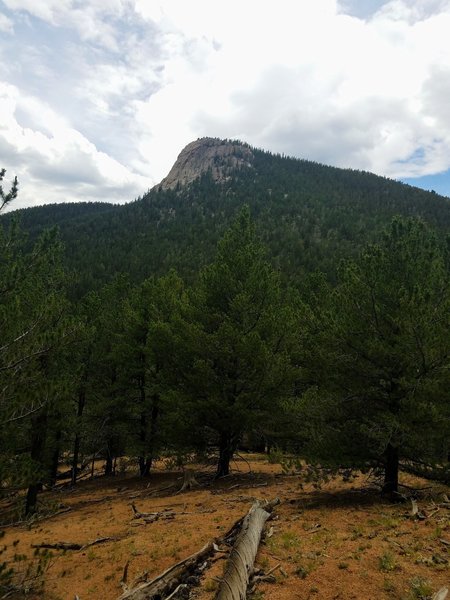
(341, 542)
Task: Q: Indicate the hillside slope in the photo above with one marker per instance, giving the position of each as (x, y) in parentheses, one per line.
(310, 215)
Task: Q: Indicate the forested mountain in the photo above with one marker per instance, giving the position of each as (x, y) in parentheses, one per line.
(197, 332)
(309, 215)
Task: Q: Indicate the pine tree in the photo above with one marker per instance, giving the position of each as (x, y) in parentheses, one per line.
(145, 350)
(34, 328)
(382, 356)
(234, 343)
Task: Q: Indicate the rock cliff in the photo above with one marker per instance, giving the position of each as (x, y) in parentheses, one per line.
(219, 157)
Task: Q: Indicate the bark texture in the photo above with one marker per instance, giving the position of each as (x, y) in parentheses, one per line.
(164, 584)
(242, 558)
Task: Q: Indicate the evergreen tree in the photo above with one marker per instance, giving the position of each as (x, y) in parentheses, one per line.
(34, 328)
(233, 344)
(106, 415)
(145, 349)
(382, 355)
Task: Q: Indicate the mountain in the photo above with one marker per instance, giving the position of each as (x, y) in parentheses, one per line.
(309, 215)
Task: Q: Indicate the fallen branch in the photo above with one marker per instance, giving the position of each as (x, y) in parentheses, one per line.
(72, 545)
(153, 516)
(124, 578)
(182, 586)
(167, 582)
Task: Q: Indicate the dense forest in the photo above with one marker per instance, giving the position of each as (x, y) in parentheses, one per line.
(295, 305)
(308, 215)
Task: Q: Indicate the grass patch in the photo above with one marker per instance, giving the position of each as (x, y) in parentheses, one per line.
(386, 563)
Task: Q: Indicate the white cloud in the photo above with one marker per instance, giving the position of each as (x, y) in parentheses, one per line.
(118, 88)
(88, 19)
(56, 163)
(6, 24)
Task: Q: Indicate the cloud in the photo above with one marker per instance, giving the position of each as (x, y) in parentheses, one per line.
(116, 89)
(316, 83)
(6, 24)
(90, 19)
(362, 9)
(56, 163)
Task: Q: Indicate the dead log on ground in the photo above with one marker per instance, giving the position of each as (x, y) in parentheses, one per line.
(72, 545)
(58, 546)
(242, 558)
(153, 516)
(441, 594)
(164, 584)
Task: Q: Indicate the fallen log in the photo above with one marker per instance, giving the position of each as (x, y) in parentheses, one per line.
(441, 594)
(58, 546)
(163, 585)
(72, 545)
(240, 565)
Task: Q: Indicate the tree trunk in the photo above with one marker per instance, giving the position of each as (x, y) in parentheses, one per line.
(38, 438)
(77, 440)
(108, 463)
(227, 447)
(145, 462)
(55, 457)
(143, 470)
(240, 564)
(391, 464)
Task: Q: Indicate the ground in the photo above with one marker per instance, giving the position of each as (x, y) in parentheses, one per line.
(341, 542)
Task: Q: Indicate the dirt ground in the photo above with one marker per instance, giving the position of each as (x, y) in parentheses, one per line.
(341, 542)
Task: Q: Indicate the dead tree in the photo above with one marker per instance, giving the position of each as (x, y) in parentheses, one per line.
(164, 584)
(242, 558)
(189, 481)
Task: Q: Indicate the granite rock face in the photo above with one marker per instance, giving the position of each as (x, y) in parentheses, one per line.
(219, 157)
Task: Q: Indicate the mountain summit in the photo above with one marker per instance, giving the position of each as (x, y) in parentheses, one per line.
(310, 216)
(219, 157)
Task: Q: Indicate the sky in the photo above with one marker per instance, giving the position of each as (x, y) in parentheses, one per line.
(98, 97)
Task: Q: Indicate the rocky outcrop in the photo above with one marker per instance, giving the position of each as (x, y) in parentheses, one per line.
(219, 157)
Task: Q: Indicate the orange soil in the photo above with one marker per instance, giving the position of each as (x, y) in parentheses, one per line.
(343, 542)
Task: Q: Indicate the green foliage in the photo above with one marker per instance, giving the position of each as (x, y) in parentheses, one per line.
(421, 589)
(308, 215)
(349, 367)
(233, 342)
(34, 328)
(145, 347)
(381, 354)
(7, 197)
(387, 563)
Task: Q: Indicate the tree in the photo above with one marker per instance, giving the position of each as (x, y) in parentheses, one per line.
(233, 342)
(7, 197)
(144, 355)
(34, 327)
(382, 355)
(107, 416)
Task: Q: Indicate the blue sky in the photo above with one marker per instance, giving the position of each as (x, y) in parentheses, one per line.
(439, 183)
(98, 98)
